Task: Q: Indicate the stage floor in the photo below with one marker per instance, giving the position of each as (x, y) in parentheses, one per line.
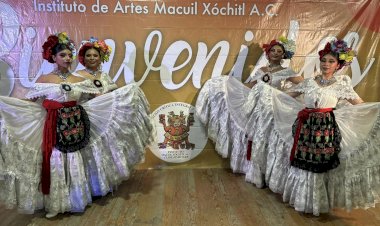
(174, 197)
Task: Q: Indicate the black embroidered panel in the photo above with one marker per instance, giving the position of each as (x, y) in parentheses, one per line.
(319, 143)
(73, 129)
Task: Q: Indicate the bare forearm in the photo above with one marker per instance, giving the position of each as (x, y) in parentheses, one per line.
(356, 101)
(294, 94)
(296, 80)
(250, 84)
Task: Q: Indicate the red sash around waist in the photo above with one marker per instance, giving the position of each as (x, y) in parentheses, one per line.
(49, 138)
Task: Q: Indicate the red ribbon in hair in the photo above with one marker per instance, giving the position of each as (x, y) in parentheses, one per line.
(267, 47)
(49, 138)
(302, 117)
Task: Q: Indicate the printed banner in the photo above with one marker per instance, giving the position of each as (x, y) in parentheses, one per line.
(170, 48)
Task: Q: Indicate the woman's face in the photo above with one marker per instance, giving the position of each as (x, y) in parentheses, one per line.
(276, 53)
(329, 64)
(92, 59)
(64, 58)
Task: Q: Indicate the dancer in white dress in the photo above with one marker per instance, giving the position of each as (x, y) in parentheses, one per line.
(333, 159)
(92, 53)
(226, 105)
(37, 173)
(131, 99)
(41, 166)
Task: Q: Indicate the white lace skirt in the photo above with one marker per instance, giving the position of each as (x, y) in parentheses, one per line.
(215, 110)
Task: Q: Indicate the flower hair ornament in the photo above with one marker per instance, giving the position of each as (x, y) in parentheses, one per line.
(341, 50)
(288, 44)
(103, 49)
(54, 40)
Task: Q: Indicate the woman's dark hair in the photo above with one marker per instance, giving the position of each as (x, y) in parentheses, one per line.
(58, 48)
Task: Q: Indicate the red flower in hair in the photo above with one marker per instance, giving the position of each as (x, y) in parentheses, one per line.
(52, 41)
(325, 51)
(48, 46)
(267, 47)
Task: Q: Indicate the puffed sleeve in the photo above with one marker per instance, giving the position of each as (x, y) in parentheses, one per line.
(346, 91)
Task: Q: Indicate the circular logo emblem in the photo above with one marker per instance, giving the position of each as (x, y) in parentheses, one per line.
(97, 83)
(180, 136)
(66, 87)
(266, 78)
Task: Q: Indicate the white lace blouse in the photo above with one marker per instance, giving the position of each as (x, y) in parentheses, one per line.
(276, 79)
(106, 84)
(316, 96)
(62, 92)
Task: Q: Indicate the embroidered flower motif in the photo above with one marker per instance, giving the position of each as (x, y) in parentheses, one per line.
(329, 150)
(304, 149)
(317, 135)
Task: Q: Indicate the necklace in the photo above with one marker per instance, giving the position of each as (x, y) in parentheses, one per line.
(326, 82)
(91, 72)
(62, 75)
(273, 67)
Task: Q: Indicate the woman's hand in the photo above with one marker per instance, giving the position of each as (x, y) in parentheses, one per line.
(250, 84)
(294, 94)
(296, 79)
(355, 101)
